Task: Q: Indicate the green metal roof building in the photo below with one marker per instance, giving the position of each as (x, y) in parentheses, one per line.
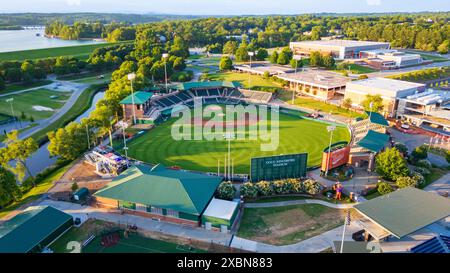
(33, 229)
(402, 212)
(140, 97)
(204, 85)
(161, 191)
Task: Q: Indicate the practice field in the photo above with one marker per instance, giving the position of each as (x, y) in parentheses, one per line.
(37, 103)
(296, 135)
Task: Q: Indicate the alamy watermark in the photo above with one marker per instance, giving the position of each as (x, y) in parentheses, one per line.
(214, 122)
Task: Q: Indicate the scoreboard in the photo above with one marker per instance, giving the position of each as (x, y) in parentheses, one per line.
(278, 167)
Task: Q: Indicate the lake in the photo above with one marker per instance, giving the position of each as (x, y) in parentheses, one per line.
(15, 40)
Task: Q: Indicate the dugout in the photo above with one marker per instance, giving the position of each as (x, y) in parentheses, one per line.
(220, 214)
(33, 230)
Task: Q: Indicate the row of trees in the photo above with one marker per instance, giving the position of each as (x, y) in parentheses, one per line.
(424, 75)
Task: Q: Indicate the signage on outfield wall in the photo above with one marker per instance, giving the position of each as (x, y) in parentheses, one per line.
(278, 167)
(338, 156)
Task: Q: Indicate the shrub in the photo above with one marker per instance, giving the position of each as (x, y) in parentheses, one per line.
(418, 153)
(264, 188)
(401, 148)
(422, 171)
(312, 187)
(390, 164)
(282, 187)
(249, 190)
(447, 156)
(406, 181)
(296, 185)
(384, 188)
(74, 187)
(424, 163)
(226, 190)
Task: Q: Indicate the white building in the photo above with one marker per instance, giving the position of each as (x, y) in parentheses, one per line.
(391, 58)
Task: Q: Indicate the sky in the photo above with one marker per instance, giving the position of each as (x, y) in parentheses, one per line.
(224, 7)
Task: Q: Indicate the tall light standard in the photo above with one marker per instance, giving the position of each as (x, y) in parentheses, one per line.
(165, 56)
(329, 129)
(251, 54)
(87, 136)
(131, 77)
(10, 100)
(125, 148)
(296, 58)
(229, 136)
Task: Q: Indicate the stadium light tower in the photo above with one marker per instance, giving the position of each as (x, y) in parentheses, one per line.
(251, 54)
(131, 77)
(229, 136)
(125, 148)
(10, 100)
(165, 56)
(329, 129)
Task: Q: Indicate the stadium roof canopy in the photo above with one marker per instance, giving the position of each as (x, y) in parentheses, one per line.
(202, 85)
(374, 141)
(161, 187)
(377, 118)
(437, 244)
(405, 211)
(140, 97)
(29, 229)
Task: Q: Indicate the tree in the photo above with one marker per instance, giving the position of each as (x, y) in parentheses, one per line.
(285, 56)
(444, 47)
(419, 153)
(225, 63)
(315, 59)
(101, 117)
(391, 165)
(384, 188)
(363, 77)
(2, 83)
(262, 54)
(401, 148)
(242, 54)
(296, 63)
(447, 156)
(68, 142)
(377, 103)
(328, 61)
(74, 186)
(18, 150)
(347, 103)
(274, 57)
(226, 190)
(9, 191)
(230, 47)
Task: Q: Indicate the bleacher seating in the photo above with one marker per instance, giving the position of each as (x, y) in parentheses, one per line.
(214, 92)
(184, 96)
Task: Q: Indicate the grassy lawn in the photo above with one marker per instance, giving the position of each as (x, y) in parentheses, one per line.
(133, 244)
(256, 82)
(296, 135)
(89, 78)
(25, 102)
(80, 106)
(434, 58)
(288, 224)
(36, 192)
(18, 87)
(80, 51)
(435, 174)
(323, 107)
(357, 69)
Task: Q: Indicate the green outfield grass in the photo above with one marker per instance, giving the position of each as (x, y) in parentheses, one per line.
(80, 51)
(296, 135)
(24, 102)
(256, 82)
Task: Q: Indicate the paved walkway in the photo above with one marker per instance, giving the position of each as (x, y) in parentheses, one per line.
(440, 186)
(298, 202)
(315, 244)
(86, 212)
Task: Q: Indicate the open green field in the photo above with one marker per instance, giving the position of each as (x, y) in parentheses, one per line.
(18, 87)
(133, 244)
(431, 57)
(323, 107)
(296, 135)
(80, 51)
(256, 82)
(357, 69)
(289, 224)
(29, 103)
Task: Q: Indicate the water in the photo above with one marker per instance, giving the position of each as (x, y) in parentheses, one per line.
(41, 158)
(15, 40)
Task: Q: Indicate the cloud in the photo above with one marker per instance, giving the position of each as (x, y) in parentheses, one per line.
(73, 2)
(373, 2)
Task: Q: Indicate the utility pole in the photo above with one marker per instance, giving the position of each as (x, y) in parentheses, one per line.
(131, 77)
(165, 56)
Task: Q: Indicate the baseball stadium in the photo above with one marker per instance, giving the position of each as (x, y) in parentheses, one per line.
(297, 132)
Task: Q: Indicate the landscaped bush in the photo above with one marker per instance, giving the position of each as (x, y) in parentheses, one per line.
(422, 171)
(226, 190)
(312, 187)
(296, 185)
(424, 163)
(406, 181)
(282, 187)
(419, 153)
(384, 188)
(264, 188)
(249, 190)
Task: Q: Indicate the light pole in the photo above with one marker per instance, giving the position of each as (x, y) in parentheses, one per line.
(125, 148)
(87, 136)
(329, 129)
(251, 54)
(229, 136)
(165, 56)
(131, 77)
(10, 100)
(347, 222)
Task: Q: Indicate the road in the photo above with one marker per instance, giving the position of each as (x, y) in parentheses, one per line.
(407, 69)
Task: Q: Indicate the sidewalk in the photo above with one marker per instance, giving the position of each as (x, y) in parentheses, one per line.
(298, 202)
(86, 212)
(440, 186)
(315, 244)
